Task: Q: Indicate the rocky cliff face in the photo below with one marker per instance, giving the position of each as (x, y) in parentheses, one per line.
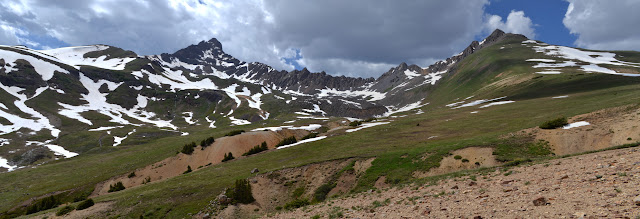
(211, 55)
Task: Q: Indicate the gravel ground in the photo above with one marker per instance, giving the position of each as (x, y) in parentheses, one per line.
(598, 185)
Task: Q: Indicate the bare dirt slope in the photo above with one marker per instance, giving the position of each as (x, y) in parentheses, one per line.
(608, 127)
(598, 185)
(469, 156)
(213, 154)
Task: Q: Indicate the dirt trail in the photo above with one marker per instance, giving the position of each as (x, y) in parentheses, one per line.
(213, 154)
(598, 185)
(608, 127)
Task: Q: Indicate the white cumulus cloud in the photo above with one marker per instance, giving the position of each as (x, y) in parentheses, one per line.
(606, 25)
(517, 22)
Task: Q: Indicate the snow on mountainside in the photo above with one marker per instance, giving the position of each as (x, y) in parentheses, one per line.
(51, 97)
(111, 90)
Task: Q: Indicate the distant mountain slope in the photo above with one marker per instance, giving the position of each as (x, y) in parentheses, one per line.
(70, 100)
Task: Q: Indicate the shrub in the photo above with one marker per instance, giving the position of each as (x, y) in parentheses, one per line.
(116, 187)
(457, 157)
(556, 123)
(234, 132)
(46, 203)
(296, 204)
(465, 160)
(188, 148)
(228, 157)
(310, 135)
(355, 123)
(132, 174)
(241, 193)
(322, 191)
(65, 210)
(188, 170)
(298, 192)
(206, 142)
(85, 204)
(256, 149)
(146, 180)
(370, 119)
(287, 141)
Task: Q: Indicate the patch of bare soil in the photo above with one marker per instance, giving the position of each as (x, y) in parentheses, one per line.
(469, 156)
(598, 185)
(201, 157)
(608, 127)
(275, 189)
(381, 183)
(507, 81)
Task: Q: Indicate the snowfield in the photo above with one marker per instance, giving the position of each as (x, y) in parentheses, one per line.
(573, 56)
(74, 56)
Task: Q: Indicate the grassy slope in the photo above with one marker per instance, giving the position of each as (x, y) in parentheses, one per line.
(455, 129)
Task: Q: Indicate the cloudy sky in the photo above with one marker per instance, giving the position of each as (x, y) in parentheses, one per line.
(354, 38)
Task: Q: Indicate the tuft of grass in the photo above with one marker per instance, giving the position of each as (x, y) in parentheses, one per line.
(116, 187)
(85, 204)
(65, 210)
(287, 141)
(234, 132)
(555, 123)
(188, 170)
(310, 135)
(297, 203)
(298, 192)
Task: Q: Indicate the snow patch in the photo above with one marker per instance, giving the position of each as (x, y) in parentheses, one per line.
(365, 94)
(303, 141)
(576, 124)
(74, 56)
(497, 103)
(549, 72)
(477, 102)
(367, 125)
(235, 121)
(42, 66)
(392, 109)
(411, 74)
(541, 60)
(118, 140)
(188, 117)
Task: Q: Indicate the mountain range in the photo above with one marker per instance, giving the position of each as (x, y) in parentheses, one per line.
(66, 106)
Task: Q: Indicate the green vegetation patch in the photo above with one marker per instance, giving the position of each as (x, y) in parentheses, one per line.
(234, 132)
(116, 187)
(241, 192)
(65, 210)
(287, 141)
(85, 204)
(555, 123)
(257, 149)
(228, 157)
